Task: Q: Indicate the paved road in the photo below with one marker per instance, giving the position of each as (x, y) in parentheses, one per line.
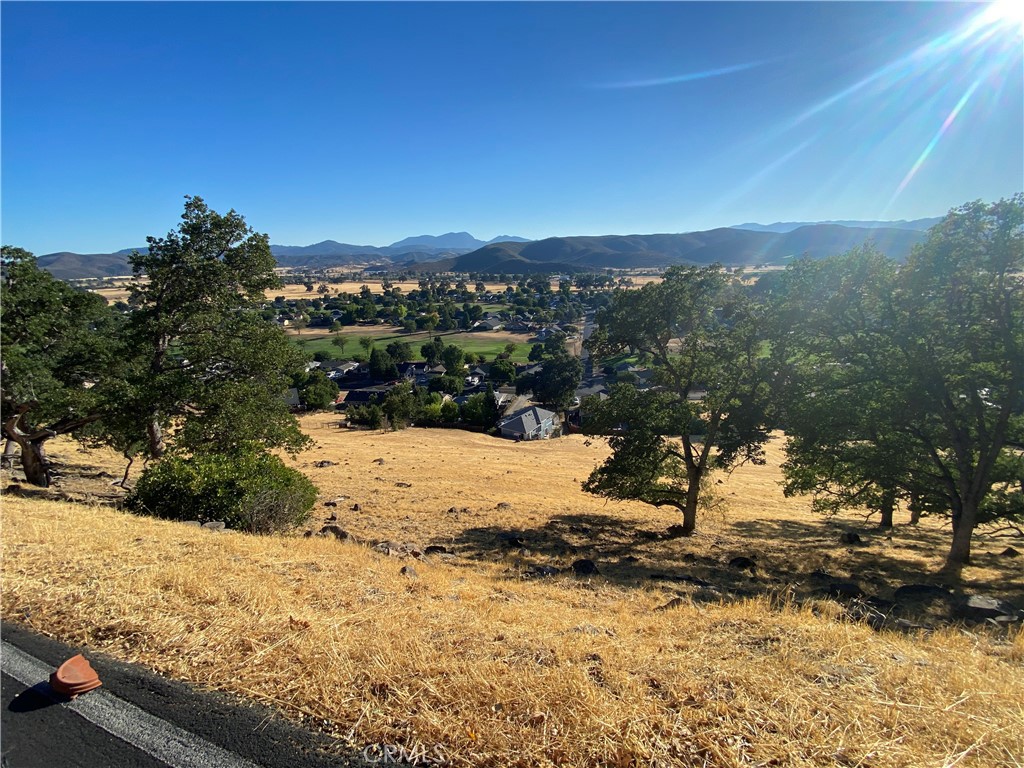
(137, 719)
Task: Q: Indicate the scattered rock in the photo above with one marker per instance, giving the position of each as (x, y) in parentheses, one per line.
(921, 593)
(845, 590)
(337, 532)
(511, 540)
(214, 525)
(333, 517)
(584, 568)
(503, 505)
(676, 532)
(630, 559)
(401, 484)
(436, 549)
(452, 511)
(356, 508)
(982, 607)
(323, 464)
(330, 503)
(378, 461)
(409, 572)
(1009, 552)
(542, 571)
(850, 537)
(307, 534)
(742, 563)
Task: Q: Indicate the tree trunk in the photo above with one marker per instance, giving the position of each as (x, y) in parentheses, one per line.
(888, 503)
(156, 437)
(33, 459)
(960, 551)
(692, 497)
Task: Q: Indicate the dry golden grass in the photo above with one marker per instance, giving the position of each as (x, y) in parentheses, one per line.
(505, 671)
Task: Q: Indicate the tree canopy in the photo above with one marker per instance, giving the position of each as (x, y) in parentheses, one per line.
(917, 371)
(703, 339)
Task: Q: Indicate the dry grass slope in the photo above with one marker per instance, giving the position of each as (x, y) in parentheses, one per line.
(504, 671)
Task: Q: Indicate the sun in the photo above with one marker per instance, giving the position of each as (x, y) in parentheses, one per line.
(1004, 13)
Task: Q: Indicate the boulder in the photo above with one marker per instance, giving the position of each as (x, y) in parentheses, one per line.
(337, 532)
(982, 607)
(850, 537)
(542, 571)
(676, 532)
(409, 572)
(743, 563)
(584, 568)
(1009, 552)
(845, 590)
(214, 525)
(921, 593)
(435, 549)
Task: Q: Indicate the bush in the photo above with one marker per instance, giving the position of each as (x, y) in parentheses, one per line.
(253, 492)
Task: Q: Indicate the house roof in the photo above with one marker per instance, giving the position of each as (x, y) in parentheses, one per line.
(527, 420)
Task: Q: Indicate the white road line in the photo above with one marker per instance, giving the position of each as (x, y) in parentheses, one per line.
(157, 738)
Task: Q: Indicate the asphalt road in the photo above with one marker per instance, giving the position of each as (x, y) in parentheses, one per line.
(138, 718)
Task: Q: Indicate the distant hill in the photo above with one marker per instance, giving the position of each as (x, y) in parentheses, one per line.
(782, 227)
(732, 246)
(729, 246)
(70, 266)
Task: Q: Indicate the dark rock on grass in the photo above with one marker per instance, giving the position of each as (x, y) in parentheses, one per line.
(436, 549)
(356, 508)
(307, 534)
(584, 568)
(921, 593)
(214, 525)
(330, 503)
(845, 590)
(676, 532)
(324, 464)
(1009, 552)
(512, 540)
(503, 505)
(401, 484)
(983, 607)
(742, 563)
(542, 571)
(337, 532)
(409, 572)
(850, 537)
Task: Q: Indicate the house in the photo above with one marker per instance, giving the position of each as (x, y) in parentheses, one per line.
(356, 397)
(531, 423)
(489, 324)
(291, 398)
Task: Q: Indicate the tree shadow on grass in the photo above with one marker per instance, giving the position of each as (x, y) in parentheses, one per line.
(798, 559)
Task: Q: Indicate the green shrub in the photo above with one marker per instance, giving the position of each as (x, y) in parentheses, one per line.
(253, 492)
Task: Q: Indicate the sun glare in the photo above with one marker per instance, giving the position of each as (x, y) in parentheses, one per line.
(1004, 12)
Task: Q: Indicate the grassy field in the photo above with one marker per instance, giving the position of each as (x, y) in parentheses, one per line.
(617, 669)
(487, 343)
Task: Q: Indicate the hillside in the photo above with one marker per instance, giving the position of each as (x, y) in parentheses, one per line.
(729, 246)
(920, 225)
(726, 245)
(637, 665)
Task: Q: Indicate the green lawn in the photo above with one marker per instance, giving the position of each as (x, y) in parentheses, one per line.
(475, 343)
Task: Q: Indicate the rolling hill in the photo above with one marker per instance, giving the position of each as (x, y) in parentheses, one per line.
(729, 246)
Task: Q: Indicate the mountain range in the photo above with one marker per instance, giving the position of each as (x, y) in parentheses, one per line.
(742, 245)
(788, 226)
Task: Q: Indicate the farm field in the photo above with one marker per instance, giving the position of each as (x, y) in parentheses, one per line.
(631, 666)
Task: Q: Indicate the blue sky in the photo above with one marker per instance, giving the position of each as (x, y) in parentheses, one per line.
(369, 122)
